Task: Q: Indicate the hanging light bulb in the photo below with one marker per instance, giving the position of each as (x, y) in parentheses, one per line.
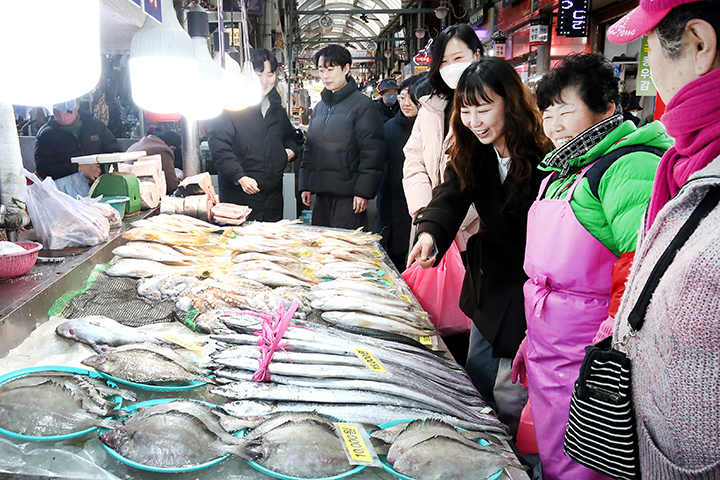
(231, 83)
(41, 71)
(252, 87)
(162, 64)
(204, 99)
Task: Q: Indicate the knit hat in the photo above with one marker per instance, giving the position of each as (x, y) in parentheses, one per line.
(642, 19)
(387, 84)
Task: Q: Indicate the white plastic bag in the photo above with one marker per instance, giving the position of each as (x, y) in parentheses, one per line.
(61, 221)
(112, 215)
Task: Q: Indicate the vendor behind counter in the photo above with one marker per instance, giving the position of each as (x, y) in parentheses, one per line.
(71, 132)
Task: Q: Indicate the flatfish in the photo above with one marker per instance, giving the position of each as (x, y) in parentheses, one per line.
(149, 364)
(45, 406)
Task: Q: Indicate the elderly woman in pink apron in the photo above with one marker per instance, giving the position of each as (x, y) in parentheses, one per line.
(582, 232)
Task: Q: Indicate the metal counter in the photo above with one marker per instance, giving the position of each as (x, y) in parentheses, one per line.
(25, 300)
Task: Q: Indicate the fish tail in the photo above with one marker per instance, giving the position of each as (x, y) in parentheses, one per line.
(249, 449)
(108, 423)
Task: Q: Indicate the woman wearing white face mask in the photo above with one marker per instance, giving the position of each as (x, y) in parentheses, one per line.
(425, 158)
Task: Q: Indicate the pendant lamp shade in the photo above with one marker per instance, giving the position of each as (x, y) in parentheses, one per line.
(162, 64)
(37, 70)
(231, 81)
(252, 88)
(204, 98)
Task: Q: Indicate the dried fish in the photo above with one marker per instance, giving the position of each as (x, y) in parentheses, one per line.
(102, 332)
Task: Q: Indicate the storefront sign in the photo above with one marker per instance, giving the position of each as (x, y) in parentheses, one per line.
(255, 7)
(573, 18)
(421, 59)
(477, 16)
(499, 50)
(645, 85)
(153, 8)
(538, 35)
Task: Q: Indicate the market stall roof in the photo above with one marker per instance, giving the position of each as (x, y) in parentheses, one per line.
(345, 26)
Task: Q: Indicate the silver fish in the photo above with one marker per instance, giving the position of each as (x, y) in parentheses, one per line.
(171, 440)
(390, 434)
(360, 319)
(153, 251)
(46, 408)
(359, 413)
(272, 279)
(420, 430)
(102, 332)
(443, 458)
(306, 448)
(264, 265)
(353, 304)
(147, 364)
(278, 258)
(131, 267)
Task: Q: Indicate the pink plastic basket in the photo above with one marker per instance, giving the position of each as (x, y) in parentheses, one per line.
(15, 264)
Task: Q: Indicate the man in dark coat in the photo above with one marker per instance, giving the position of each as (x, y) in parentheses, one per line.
(345, 147)
(252, 147)
(71, 133)
(388, 105)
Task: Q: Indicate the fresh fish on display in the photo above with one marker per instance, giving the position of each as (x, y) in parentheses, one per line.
(361, 287)
(348, 270)
(173, 439)
(153, 251)
(256, 243)
(420, 430)
(131, 267)
(54, 405)
(444, 458)
(263, 265)
(360, 319)
(273, 279)
(278, 258)
(350, 391)
(357, 237)
(157, 234)
(353, 304)
(147, 363)
(351, 412)
(177, 223)
(102, 332)
(438, 426)
(367, 297)
(299, 447)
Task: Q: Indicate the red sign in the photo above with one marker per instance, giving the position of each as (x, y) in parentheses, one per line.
(514, 15)
(421, 59)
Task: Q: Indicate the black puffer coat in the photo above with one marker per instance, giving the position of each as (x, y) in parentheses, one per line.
(54, 145)
(394, 221)
(345, 147)
(244, 143)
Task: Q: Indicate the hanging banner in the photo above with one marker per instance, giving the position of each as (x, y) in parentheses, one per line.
(573, 18)
(153, 9)
(645, 85)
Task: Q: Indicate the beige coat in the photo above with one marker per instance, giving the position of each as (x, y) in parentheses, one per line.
(425, 162)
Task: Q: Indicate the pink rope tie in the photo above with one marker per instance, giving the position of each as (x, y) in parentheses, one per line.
(270, 338)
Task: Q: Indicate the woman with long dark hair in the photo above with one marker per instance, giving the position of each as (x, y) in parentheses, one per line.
(498, 142)
(425, 151)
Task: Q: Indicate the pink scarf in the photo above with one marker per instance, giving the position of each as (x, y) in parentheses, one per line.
(692, 118)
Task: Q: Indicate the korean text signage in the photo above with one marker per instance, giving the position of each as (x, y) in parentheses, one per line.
(645, 85)
(153, 9)
(573, 18)
(538, 35)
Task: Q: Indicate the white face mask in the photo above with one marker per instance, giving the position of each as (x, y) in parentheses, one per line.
(451, 73)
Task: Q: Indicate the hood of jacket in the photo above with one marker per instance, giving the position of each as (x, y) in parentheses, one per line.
(331, 97)
(652, 135)
(434, 104)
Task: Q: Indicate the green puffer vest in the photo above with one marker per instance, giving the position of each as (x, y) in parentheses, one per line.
(614, 215)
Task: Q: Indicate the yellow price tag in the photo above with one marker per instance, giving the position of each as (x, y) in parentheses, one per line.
(426, 340)
(305, 253)
(370, 360)
(376, 253)
(406, 298)
(308, 271)
(355, 443)
(387, 279)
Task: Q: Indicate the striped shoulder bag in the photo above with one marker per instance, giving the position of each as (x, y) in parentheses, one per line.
(601, 433)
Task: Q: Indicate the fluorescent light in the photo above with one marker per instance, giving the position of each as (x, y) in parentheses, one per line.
(49, 50)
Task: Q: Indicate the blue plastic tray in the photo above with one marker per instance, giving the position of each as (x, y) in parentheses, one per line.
(272, 473)
(388, 468)
(51, 438)
(156, 388)
(191, 468)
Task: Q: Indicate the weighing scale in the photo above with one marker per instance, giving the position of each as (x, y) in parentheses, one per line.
(111, 184)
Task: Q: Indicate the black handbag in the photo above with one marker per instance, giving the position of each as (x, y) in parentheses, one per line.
(601, 432)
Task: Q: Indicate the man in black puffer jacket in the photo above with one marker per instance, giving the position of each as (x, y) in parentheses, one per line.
(252, 147)
(345, 147)
(71, 133)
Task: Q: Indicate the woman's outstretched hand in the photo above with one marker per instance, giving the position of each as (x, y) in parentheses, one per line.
(424, 251)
